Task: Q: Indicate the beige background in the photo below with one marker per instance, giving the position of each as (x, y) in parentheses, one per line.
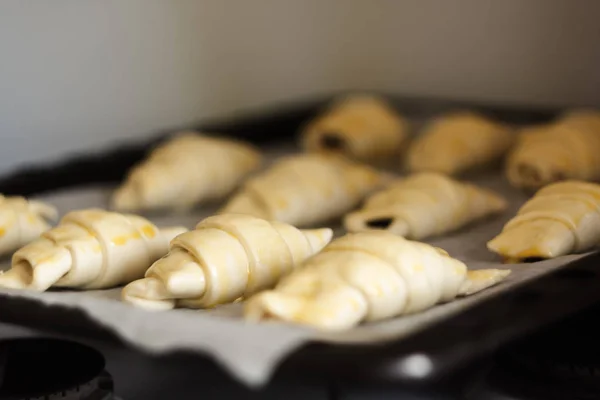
(79, 74)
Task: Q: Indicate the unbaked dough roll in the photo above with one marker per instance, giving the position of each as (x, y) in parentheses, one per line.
(361, 127)
(566, 149)
(423, 205)
(225, 258)
(184, 171)
(457, 143)
(368, 276)
(89, 249)
(561, 218)
(307, 189)
(22, 221)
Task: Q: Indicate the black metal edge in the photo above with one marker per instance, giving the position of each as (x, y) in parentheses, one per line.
(265, 126)
(450, 344)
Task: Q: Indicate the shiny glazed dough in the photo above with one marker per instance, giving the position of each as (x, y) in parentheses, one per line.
(566, 149)
(185, 171)
(307, 189)
(225, 258)
(89, 249)
(561, 218)
(22, 221)
(424, 205)
(459, 142)
(368, 276)
(361, 127)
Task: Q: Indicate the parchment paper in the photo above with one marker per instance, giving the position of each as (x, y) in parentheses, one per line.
(251, 352)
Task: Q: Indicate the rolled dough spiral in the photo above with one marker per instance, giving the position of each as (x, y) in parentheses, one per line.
(457, 143)
(184, 171)
(424, 205)
(225, 258)
(561, 218)
(566, 149)
(362, 127)
(308, 189)
(89, 249)
(368, 276)
(22, 221)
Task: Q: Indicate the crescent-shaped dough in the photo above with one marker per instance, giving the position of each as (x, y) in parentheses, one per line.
(368, 276)
(89, 249)
(361, 127)
(225, 258)
(22, 221)
(424, 205)
(459, 142)
(306, 189)
(561, 218)
(185, 171)
(566, 149)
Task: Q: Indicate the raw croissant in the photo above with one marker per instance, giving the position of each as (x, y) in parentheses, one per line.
(566, 149)
(561, 218)
(364, 128)
(22, 221)
(457, 143)
(89, 249)
(368, 276)
(424, 205)
(225, 258)
(184, 171)
(306, 189)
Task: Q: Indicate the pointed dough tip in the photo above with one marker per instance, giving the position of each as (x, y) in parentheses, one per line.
(124, 199)
(304, 310)
(11, 279)
(147, 293)
(40, 276)
(149, 305)
(478, 280)
(44, 209)
(511, 244)
(318, 238)
(506, 245)
(497, 202)
(261, 307)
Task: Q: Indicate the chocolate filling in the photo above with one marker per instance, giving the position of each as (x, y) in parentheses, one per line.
(529, 173)
(380, 223)
(332, 141)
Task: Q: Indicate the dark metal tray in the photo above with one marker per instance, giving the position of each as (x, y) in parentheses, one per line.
(444, 347)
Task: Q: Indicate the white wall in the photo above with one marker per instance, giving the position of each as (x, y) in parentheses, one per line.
(78, 74)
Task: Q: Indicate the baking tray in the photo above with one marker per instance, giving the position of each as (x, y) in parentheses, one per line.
(444, 347)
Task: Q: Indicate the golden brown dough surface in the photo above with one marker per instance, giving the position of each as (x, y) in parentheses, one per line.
(459, 142)
(566, 149)
(225, 258)
(185, 171)
(306, 189)
(89, 249)
(424, 205)
(562, 218)
(368, 276)
(22, 221)
(361, 127)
